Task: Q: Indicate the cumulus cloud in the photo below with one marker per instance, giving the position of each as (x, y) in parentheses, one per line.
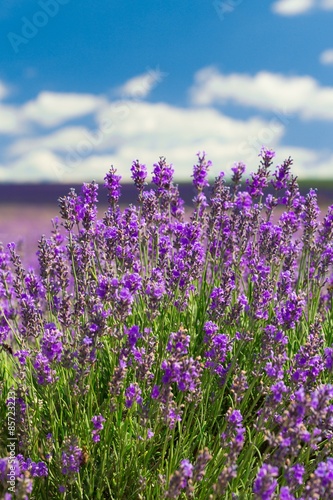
(127, 128)
(326, 57)
(51, 108)
(59, 140)
(297, 7)
(32, 167)
(299, 95)
(11, 122)
(140, 86)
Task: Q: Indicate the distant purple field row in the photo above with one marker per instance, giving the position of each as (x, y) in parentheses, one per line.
(25, 224)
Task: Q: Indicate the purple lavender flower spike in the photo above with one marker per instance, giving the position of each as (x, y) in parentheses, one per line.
(265, 483)
(139, 174)
(112, 184)
(162, 175)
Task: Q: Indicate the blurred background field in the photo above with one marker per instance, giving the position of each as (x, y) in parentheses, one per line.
(26, 210)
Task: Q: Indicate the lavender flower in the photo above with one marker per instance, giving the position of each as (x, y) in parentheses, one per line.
(180, 480)
(97, 421)
(282, 175)
(133, 395)
(238, 170)
(233, 442)
(259, 180)
(112, 184)
(139, 174)
(265, 483)
(200, 171)
(185, 372)
(320, 484)
(162, 175)
(71, 457)
(51, 345)
(44, 373)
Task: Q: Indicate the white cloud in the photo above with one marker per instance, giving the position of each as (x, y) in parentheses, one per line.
(140, 86)
(130, 129)
(326, 57)
(144, 130)
(292, 7)
(10, 120)
(60, 140)
(299, 95)
(45, 165)
(32, 167)
(50, 108)
(296, 7)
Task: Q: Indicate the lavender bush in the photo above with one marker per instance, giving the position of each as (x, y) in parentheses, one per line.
(154, 355)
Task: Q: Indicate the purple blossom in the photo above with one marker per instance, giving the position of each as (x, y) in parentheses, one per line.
(97, 421)
(238, 170)
(265, 483)
(22, 356)
(112, 184)
(294, 475)
(282, 175)
(259, 180)
(45, 374)
(210, 328)
(179, 369)
(285, 494)
(133, 395)
(71, 457)
(133, 335)
(39, 469)
(150, 434)
(243, 201)
(51, 345)
(320, 484)
(155, 392)
(180, 479)
(278, 390)
(238, 274)
(200, 171)
(328, 358)
(139, 174)
(162, 175)
(291, 311)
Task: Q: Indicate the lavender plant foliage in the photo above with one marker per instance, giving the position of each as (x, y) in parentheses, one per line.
(154, 333)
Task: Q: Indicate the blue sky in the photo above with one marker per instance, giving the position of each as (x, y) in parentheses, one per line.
(86, 84)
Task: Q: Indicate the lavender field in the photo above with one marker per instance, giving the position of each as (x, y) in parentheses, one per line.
(166, 351)
(25, 223)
